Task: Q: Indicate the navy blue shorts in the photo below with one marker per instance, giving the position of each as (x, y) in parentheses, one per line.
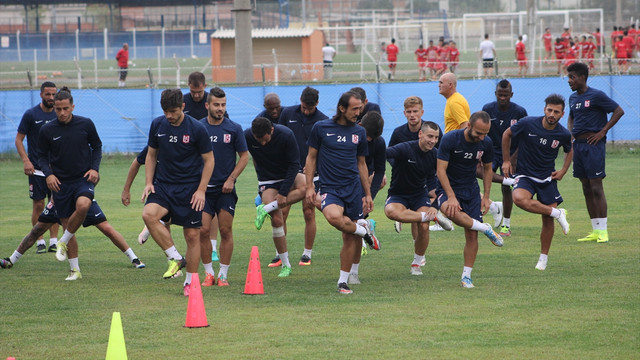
(275, 185)
(547, 193)
(497, 164)
(70, 191)
(471, 206)
(38, 189)
(348, 197)
(216, 200)
(589, 160)
(176, 199)
(94, 217)
(411, 202)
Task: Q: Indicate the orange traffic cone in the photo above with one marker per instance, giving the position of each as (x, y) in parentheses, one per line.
(196, 315)
(253, 285)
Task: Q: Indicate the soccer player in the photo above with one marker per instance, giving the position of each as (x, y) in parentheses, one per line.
(521, 57)
(392, 58)
(196, 98)
(456, 110)
(32, 120)
(177, 169)
(366, 104)
(272, 108)
(454, 57)
(547, 38)
(503, 113)
(300, 119)
(459, 193)
(277, 163)
(432, 59)
(488, 53)
(123, 64)
(588, 109)
(622, 54)
(421, 58)
(49, 217)
(413, 183)
(69, 152)
(337, 149)
(227, 140)
(539, 140)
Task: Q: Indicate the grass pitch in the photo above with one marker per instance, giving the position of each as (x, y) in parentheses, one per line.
(584, 306)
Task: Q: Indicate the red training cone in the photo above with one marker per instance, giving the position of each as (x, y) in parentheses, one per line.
(253, 285)
(196, 315)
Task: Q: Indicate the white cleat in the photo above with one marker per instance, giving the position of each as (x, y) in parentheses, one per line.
(497, 214)
(541, 265)
(398, 226)
(354, 279)
(61, 252)
(562, 220)
(74, 275)
(443, 221)
(436, 227)
(416, 269)
(143, 236)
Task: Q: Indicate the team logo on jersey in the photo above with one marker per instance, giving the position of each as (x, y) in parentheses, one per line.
(555, 144)
(479, 155)
(262, 188)
(324, 196)
(514, 121)
(185, 139)
(354, 138)
(227, 138)
(587, 103)
(49, 204)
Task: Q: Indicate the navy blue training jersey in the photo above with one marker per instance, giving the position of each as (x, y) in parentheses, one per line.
(463, 158)
(538, 147)
(376, 163)
(265, 114)
(589, 110)
(338, 148)
(276, 160)
(180, 149)
(501, 121)
(403, 134)
(413, 171)
(69, 150)
(196, 110)
(371, 106)
(142, 155)
(293, 118)
(32, 120)
(226, 139)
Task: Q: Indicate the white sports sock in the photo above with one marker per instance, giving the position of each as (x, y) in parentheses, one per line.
(53, 241)
(478, 226)
(506, 222)
(425, 217)
(15, 257)
(284, 257)
(223, 270)
(130, 254)
(344, 277)
(466, 271)
(307, 252)
(187, 279)
(543, 257)
(417, 259)
(555, 213)
(208, 268)
(354, 268)
(214, 244)
(73, 264)
(600, 223)
(362, 222)
(360, 230)
(508, 181)
(41, 242)
(66, 237)
(271, 206)
(173, 254)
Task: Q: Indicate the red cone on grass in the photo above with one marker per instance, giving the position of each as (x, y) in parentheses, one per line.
(253, 285)
(196, 315)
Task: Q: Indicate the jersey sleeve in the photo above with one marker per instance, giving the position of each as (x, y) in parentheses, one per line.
(203, 144)
(605, 103)
(96, 146)
(487, 154)
(153, 130)
(458, 112)
(363, 147)
(23, 127)
(240, 141)
(445, 146)
(142, 156)
(314, 138)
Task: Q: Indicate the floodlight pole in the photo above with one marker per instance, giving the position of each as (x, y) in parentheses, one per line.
(243, 42)
(531, 31)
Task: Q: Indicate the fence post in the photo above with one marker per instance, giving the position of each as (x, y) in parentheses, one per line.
(191, 40)
(95, 65)
(159, 65)
(77, 44)
(35, 62)
(75, 60)
(263, 77)
(18, 45)
(151, 85)
(48, 45)
(175, 60)
(135, 49)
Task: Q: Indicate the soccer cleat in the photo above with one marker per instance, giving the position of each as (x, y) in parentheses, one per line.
(74, 275)
(138, 264)
(497, 214)
(209, 280)
(435, 227)
(214, 256)
(344, 289)
(61, 252)
(143, 236)
(592, 236)
(603, 236)
(261, 214)
(174, 268)
(443, 221)
(398, 226)
(286, 271)
(365, 249)
(415, 269)
(562, 220)
(186, 290)
(222, 281)
(6, 263)
(41, 249)
(53, 248)
(275, 262)
(541, 265)
(505, 231)
(370, 237)
(354, 279)
(495, 238)
(305, 261)
(466, 282)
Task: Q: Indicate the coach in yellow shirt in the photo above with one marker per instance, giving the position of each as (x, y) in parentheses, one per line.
(456, 111)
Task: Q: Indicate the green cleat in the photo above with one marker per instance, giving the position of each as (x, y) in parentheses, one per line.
(174, 268)
(214, 256)
(74, 275)
(61, 252)
(286, 271)
(593, 236)
(603, 236)
(261, 214)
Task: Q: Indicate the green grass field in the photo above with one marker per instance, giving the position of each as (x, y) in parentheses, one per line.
(584, 306)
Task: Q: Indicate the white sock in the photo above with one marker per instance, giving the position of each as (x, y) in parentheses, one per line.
(555, 213)
(66, 237)
(425, 217)
(130, 254)
(271, 206)
(214, 244)
(362, 222)
(187, 279)
(208, 268)
(284, 257)
(53, 241)
(73, 264)
(173, 254)
(354, 268)
(508, 181)
(344, 277)
(360, 230)
(223, 271)
(417, 259)
(494, 207)
(41, 242)
(543, 258)
(506, 222)
(466, 271)
(478, 226)
(15, 257)
(307, 252)
(600, 223)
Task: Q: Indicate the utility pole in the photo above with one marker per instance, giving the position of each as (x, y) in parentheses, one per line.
(244, 47)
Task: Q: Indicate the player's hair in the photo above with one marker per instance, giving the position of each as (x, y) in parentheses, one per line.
(196, 78)
(215, 92)
(486, 36)
(373, 124)
(555, 99)
(412, 101)
(430, 125)
(271, 96)
(344, 102)
(309, 96)
(479, 115)
(171, 99)
(359, 90)
(393, 41)
(63, 94)
(580, 69)
(503, 84)
(261, 126)
(545, 29)
(47, 84)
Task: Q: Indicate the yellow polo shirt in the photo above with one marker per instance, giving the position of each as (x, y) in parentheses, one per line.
(456, 111)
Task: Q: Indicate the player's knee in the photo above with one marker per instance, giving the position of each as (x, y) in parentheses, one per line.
(278, 231)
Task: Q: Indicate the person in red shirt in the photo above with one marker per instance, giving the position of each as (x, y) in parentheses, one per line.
(443, 57)
(630, 42)
(590, 50)
(454, 56)
(560, 49)
(421, 58)
(600, 43)
(123, 63)
(521, 57)
(432, 59)
(622, 54)
(392, 58)
(617, 31)
(571, 56)
(566, 36)
(547, 38)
